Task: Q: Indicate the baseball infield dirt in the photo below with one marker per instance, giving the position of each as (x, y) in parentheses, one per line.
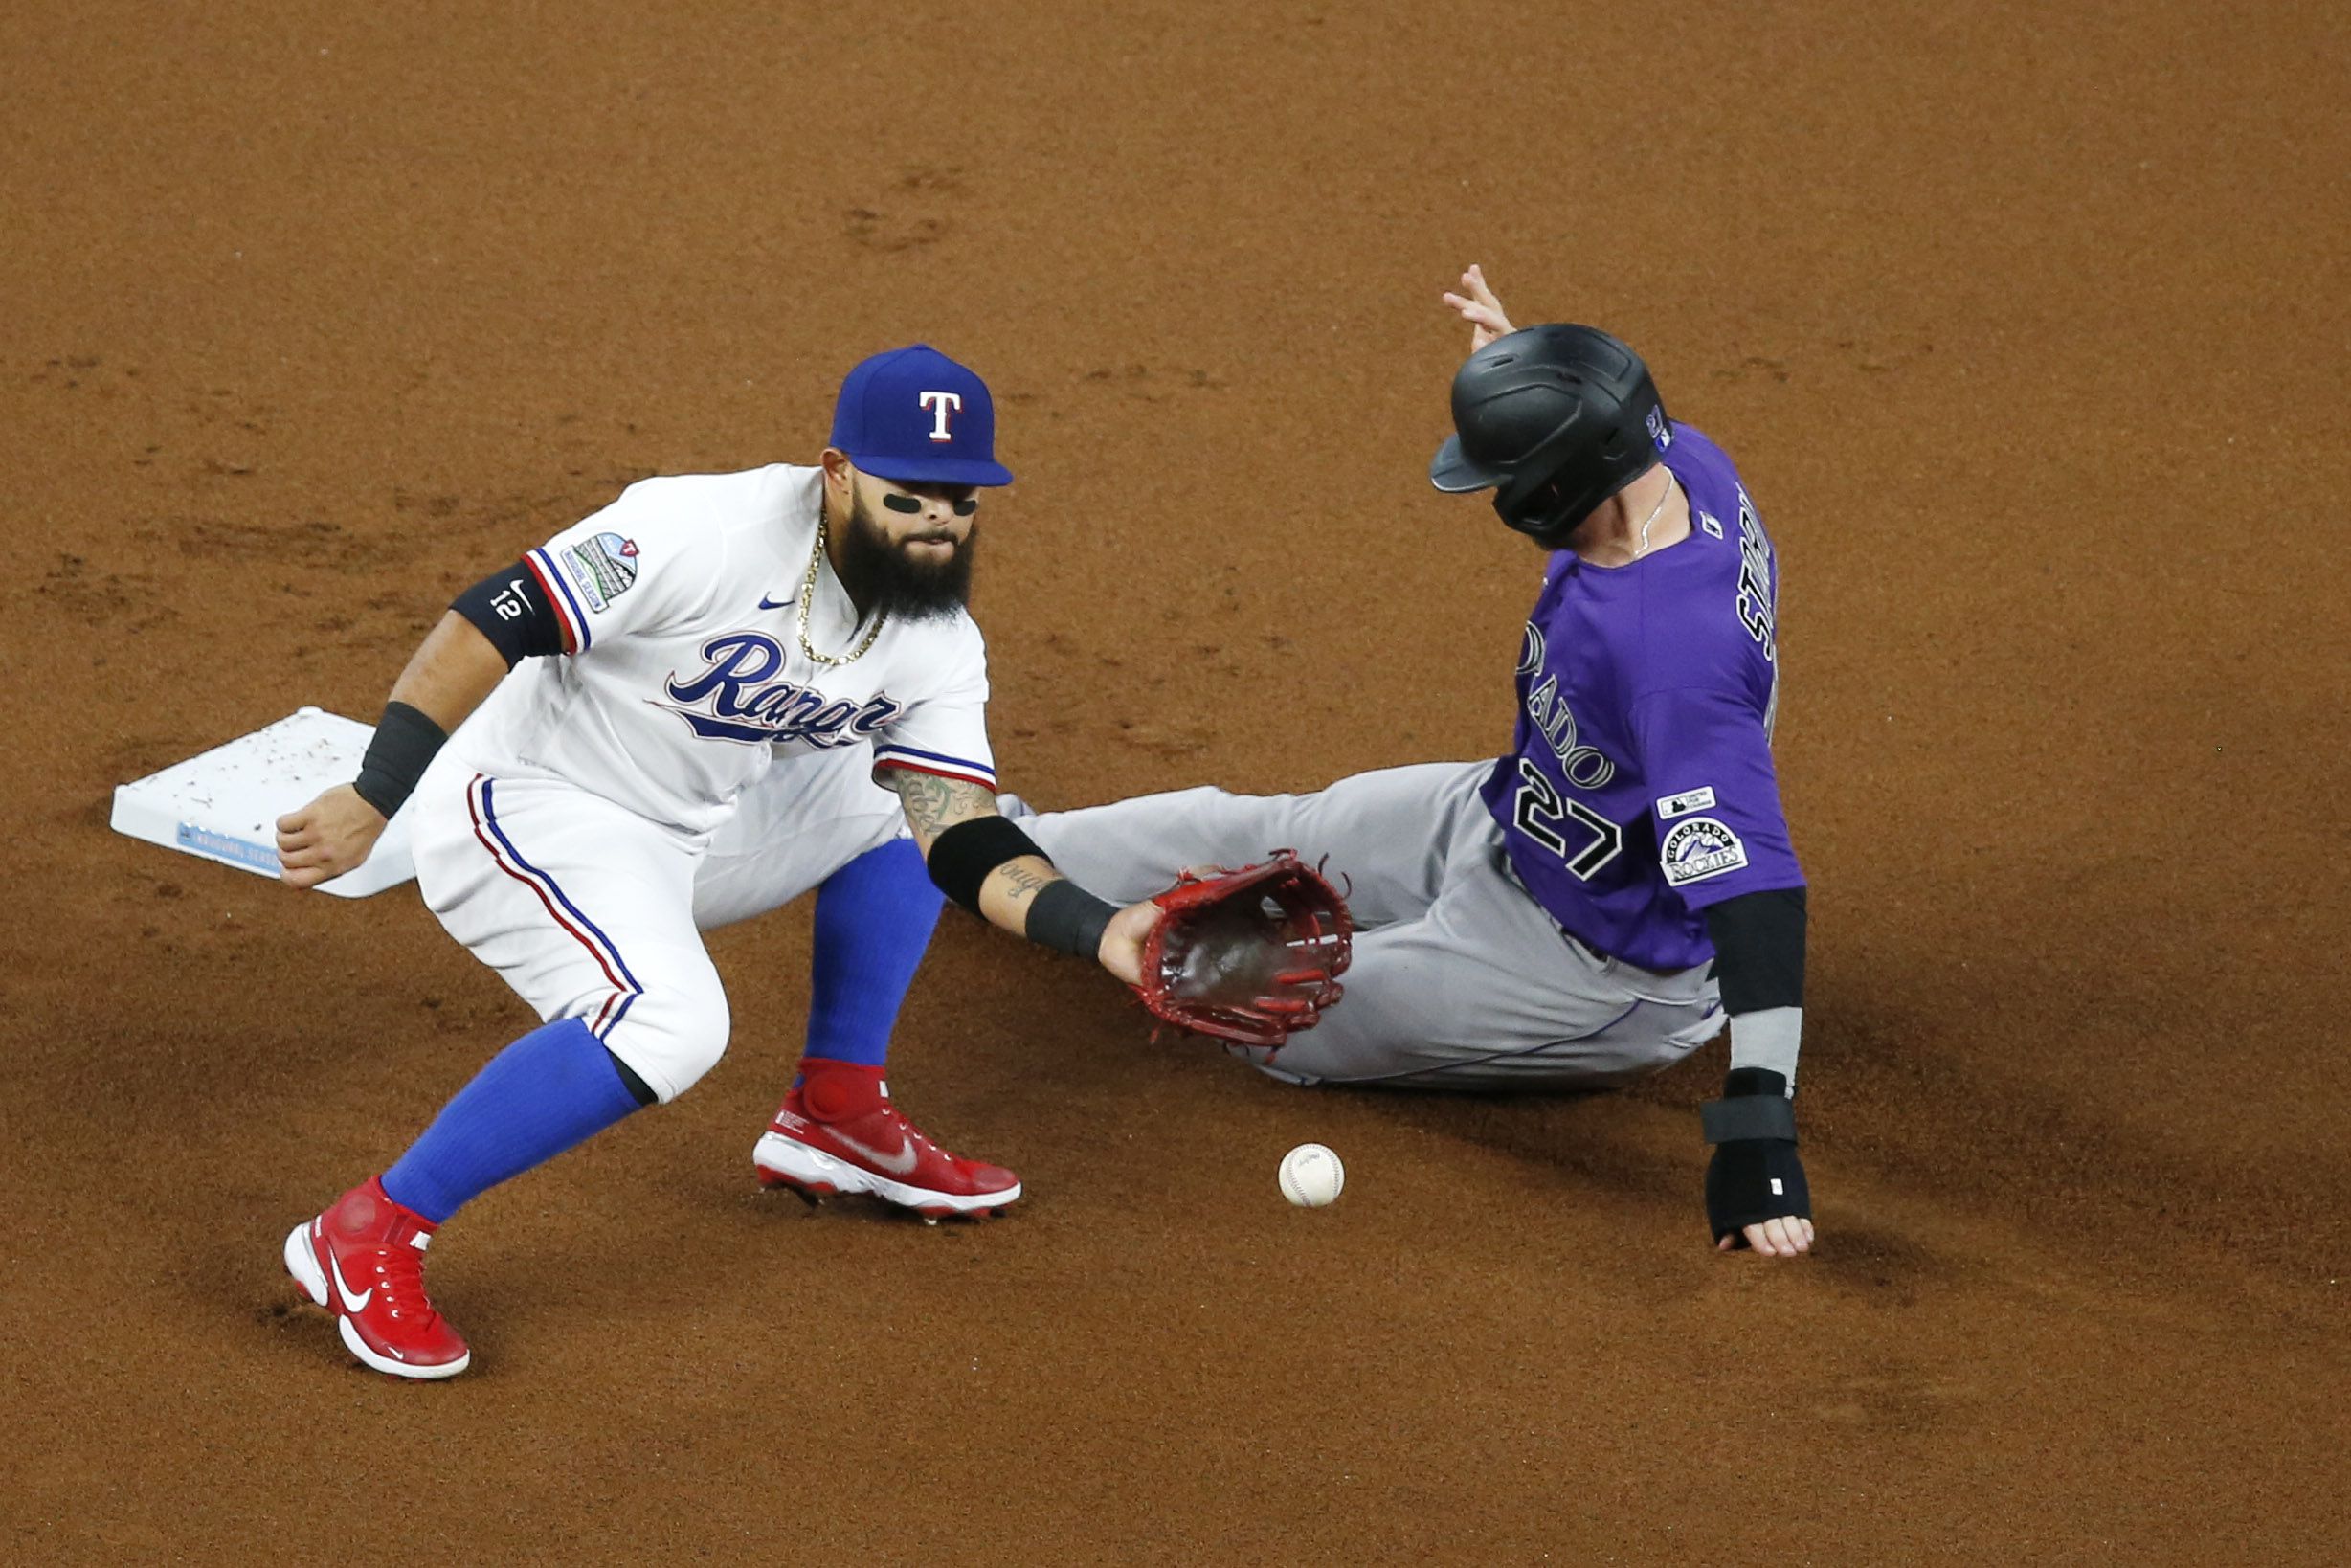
(2028, 329)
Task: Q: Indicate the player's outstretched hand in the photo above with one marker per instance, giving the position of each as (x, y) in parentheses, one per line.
(1122, 942)
(332, 835)
(1781, 1238)
(1480, 309)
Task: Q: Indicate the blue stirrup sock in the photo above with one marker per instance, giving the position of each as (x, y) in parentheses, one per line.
(874, 920)
(554, 1088)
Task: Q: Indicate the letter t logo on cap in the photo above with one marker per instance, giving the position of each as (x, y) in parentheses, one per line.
(912, 415)
(941, 404)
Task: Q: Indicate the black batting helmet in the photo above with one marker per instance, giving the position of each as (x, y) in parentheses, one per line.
(1555, 420)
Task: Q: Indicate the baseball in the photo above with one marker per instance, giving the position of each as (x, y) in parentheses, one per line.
(1311, 1175)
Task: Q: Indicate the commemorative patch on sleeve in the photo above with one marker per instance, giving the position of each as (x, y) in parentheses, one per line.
(602, 566)
(1699, 848)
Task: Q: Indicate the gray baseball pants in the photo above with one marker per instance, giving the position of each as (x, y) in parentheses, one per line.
(1460, 979)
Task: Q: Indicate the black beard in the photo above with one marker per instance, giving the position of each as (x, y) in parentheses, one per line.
(880, 577)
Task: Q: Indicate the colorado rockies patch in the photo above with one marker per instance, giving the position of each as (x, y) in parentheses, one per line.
(602, 566)
(1698, 849)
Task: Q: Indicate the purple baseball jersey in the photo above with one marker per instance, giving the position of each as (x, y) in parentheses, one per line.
(1639, 788)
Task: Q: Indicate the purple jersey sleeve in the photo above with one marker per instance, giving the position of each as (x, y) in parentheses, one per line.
(1720, 831)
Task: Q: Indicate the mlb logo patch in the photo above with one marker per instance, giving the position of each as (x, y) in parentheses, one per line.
(1684, 803)
(1661, 434)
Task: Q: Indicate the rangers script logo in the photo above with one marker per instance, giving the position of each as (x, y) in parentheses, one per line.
(733, 698)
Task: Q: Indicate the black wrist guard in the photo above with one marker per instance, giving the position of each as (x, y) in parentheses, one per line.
(1755, 1175)
(405, 741)
(1067, 918)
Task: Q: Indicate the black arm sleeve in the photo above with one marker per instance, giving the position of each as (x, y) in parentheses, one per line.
(510, 609)
(1759, 949)
(964, 856)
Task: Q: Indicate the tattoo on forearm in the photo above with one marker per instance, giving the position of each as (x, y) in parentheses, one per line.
(1021, 883)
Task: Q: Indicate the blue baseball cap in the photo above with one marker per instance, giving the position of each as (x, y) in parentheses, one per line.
(914, 415)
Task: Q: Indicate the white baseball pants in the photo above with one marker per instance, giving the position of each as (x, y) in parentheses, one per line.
(591, 911)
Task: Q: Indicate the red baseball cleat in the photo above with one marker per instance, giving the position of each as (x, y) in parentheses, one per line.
(363, 1260)
(876, 1151)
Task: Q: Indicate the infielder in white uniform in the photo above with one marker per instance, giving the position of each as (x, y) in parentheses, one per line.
(671, 716)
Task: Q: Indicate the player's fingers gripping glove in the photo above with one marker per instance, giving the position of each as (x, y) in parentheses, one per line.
(1755, 1175)
(1248, 955)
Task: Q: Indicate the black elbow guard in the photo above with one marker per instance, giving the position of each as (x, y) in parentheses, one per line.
(1759, 949)
(511, 610)
(963, 856)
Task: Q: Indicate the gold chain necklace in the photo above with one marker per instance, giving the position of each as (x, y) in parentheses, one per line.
(808, 599)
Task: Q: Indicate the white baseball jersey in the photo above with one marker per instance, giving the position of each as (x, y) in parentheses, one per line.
(683, 675)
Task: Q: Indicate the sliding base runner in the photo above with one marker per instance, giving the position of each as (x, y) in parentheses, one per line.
(1590, 906)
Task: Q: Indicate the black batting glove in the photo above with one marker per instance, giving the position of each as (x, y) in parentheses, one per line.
(1755, 1175)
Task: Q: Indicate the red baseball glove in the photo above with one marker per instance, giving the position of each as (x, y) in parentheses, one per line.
(1251, 955)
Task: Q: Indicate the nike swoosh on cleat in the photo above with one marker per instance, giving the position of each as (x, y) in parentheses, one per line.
(902, 1163)
(350, 1303)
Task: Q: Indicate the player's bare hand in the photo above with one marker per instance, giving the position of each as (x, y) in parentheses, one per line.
(1122, 942)
(1480, 309)
(332, 835)
(1781, 1238)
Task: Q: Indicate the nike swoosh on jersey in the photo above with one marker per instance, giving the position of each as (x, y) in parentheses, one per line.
(902, 1163)
(766, 604)
(350, 1303)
